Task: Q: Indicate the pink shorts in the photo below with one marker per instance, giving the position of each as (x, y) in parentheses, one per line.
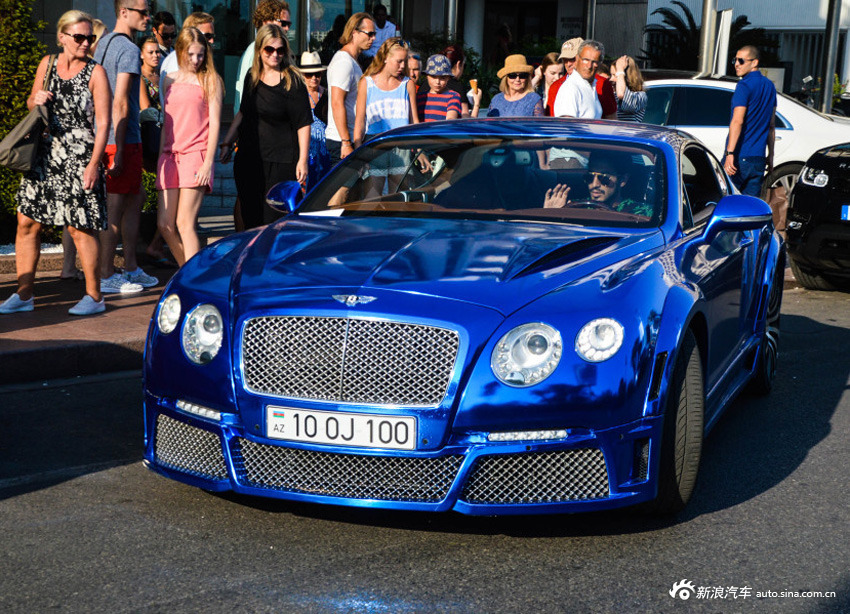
(178, 170)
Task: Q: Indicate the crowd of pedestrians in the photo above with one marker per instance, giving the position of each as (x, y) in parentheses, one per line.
(157, 106)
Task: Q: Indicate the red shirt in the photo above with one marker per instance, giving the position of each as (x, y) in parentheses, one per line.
(604, 91)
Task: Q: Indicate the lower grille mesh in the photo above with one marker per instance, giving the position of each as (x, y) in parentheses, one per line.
(386, 478)
(549, 477)
(188, 449)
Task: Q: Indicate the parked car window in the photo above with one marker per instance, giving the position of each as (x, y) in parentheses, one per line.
(658, 105)
(578, 182)
(701, 183)
(701, 106)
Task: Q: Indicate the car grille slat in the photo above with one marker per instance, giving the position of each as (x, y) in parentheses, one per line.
(185, 448)
(547, 477)
(387, 478)
(348, 360)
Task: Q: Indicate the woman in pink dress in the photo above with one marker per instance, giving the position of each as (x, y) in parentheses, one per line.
(193, 96)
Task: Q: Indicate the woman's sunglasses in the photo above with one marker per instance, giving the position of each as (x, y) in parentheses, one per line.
(275, 50)
(518, 75)
(80, 38)
(604, 179)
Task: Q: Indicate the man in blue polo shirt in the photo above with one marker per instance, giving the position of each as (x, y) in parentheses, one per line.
(751, 130)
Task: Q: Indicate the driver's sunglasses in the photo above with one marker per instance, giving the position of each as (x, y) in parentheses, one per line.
(741, 61)
(605, 180)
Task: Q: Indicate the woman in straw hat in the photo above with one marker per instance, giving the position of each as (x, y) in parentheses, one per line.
(516, 97)
(319, 160)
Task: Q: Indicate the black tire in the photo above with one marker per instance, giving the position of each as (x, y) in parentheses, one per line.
(810, 280)
(768, 352)
(784, 177)
(681, 439)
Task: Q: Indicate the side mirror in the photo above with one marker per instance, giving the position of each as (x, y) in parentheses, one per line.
(738, 213)
(285, 196)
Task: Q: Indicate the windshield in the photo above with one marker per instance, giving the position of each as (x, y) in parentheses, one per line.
(587, 182)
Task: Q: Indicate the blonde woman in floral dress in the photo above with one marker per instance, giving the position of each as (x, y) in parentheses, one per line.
(65, 187)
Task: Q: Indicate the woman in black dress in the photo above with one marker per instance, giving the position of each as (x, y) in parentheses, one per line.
(272, 127)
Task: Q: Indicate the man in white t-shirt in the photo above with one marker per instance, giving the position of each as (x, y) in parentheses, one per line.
(577, 97)
(384, 30)
(343, 75)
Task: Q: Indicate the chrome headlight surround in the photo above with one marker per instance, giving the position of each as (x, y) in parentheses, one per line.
(814, 177)
(203, 331)
(168, 314)
(526, 355)
(599, 339)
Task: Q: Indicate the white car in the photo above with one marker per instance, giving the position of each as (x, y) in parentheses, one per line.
(703, 108)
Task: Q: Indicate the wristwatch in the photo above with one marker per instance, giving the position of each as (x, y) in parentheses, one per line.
(728, 153)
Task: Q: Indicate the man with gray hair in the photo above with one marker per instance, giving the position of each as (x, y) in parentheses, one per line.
(578, 98)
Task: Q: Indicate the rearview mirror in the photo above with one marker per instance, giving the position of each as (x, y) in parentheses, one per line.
(738, 213)
(285, 196)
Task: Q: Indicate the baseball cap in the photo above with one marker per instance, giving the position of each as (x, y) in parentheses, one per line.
(569, 49)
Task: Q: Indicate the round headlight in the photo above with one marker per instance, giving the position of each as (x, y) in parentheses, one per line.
(599, 340)
(168, 316)
(526, 355)
(202, 333)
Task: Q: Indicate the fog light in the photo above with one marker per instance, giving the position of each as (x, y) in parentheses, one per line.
(528, 435)
(198, 410)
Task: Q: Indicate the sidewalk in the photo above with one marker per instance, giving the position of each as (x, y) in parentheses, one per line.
(48, 343)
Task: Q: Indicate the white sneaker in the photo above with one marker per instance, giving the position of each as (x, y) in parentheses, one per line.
(87, 306)
(14, 304)
(140, 277)
(116, 283)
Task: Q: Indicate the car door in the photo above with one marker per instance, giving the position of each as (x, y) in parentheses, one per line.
(703, 111)
(720, 268)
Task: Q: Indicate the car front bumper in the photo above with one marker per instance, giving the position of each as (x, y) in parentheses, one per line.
(584, 471)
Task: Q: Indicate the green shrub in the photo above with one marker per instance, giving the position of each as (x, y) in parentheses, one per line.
(20, 53)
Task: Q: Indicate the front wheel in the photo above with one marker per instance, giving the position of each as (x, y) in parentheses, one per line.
(784, 177)
(681, 439)
(768, 352)
(810, 280)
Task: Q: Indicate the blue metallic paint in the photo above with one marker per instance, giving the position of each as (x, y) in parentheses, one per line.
(474, 277)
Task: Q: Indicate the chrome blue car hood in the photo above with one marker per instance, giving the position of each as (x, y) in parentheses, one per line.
(497, 264)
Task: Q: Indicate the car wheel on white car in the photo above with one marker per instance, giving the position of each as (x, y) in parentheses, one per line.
(784, 176)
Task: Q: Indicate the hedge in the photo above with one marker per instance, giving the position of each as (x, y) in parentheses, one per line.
(20, 53)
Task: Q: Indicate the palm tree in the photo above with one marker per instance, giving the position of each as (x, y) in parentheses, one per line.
(676, 43)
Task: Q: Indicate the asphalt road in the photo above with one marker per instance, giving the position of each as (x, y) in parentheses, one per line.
(86, 528)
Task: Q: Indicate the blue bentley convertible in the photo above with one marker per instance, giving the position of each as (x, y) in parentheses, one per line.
(491, 317)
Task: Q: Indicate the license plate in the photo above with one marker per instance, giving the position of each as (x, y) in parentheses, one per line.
(845, 212)
(342, 429)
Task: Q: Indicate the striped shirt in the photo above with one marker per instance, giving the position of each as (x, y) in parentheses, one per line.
(632, 107)
(434, 107)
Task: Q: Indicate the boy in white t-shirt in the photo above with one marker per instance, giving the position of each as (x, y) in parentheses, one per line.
(343, 75)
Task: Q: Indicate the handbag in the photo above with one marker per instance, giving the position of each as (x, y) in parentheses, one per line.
(20, 148)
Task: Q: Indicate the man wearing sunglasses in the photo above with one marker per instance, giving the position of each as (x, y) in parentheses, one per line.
(120, 57)
(384, 30)
(752, 128)
(165, 31)
(578, 97)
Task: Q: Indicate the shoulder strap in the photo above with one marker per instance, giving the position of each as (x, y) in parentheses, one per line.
(114, 36)
(50, 64)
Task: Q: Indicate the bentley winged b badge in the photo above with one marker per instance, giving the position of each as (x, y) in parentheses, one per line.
(352, 300)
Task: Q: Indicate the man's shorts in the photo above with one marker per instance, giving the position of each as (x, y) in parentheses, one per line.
(130, 179)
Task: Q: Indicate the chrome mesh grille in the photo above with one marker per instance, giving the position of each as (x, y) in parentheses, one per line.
(548, 477)
(388, 478)
(348, 360)
(188, 449)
